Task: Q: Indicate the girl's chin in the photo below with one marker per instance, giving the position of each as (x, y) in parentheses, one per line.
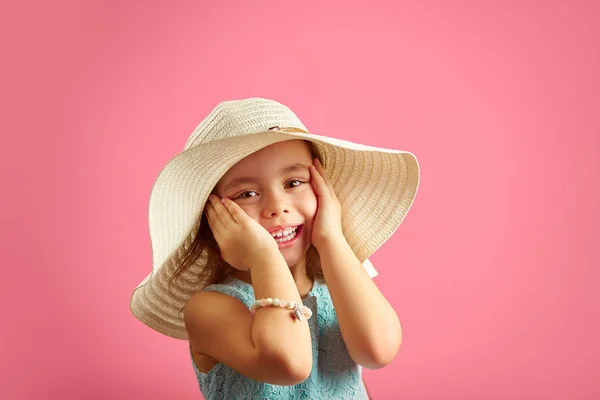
(292, 258)
(292, 261)
(297, 252)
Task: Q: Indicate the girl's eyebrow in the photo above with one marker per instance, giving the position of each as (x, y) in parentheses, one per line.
(293, 168)
(282, 171)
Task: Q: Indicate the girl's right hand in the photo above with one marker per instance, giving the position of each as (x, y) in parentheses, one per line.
(241, 239)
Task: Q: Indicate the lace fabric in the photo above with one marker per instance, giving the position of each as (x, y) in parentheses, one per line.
(334, 374)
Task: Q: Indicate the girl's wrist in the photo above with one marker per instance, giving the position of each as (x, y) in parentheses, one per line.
(330, 241)
(265, 258)
(298, 309)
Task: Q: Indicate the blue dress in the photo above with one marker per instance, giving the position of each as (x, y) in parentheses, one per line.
(334, 374)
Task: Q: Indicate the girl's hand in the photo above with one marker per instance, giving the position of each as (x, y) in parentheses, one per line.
(241, 239)
(328, 221)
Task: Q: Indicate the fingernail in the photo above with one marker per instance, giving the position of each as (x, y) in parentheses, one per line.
(223, 200)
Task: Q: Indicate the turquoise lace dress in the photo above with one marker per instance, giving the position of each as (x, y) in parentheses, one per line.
(334, 374)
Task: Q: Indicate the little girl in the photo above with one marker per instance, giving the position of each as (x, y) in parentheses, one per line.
(261, 233)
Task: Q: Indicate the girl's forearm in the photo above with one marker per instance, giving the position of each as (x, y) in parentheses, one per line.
(369, 325)
(275, 332)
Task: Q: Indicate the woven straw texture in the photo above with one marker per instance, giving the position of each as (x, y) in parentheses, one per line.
(376, 188)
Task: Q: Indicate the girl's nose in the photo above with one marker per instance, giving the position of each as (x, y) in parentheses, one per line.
(276, 209)
(275, 213)
(275, 205)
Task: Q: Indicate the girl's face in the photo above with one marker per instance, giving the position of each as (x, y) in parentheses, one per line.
(273, 187)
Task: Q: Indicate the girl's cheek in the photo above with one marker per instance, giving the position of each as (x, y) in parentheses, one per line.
(311, 205)
(250, 211)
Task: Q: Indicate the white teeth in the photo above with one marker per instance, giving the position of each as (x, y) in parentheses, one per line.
(284, 234)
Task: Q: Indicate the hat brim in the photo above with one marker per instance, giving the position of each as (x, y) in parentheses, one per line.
(376, 188)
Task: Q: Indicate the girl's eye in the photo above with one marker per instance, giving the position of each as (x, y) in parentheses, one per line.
(244, 195)
(251, 193)
(295, 183)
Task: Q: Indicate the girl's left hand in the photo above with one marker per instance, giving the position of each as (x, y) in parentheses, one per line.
(327, 224)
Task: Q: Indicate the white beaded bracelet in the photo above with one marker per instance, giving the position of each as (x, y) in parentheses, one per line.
(297, 309)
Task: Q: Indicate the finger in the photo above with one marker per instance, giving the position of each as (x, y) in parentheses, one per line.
(313, 185)
(318, 182)
(222, 212)
(214, 221)
(219, 212)
(323, 174)
(236, 211)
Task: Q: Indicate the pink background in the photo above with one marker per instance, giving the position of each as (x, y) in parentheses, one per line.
(494, 273)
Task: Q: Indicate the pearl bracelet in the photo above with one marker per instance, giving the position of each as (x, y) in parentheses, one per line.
(297, 309)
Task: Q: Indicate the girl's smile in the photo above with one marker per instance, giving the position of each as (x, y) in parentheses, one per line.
(287, 237)
(273, 187)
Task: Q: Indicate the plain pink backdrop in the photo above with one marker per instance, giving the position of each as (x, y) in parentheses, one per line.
(494, 272)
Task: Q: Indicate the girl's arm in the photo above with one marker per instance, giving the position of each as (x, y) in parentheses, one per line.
(369, 325)
(270, 346)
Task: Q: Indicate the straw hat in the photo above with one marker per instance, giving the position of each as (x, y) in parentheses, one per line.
(376, 188)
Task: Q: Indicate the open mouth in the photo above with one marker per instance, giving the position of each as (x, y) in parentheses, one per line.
(288, 235)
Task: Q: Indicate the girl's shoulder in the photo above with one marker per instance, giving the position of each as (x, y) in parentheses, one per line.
(234, 287)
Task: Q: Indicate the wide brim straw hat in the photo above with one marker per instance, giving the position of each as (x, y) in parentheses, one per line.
(376, 188)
